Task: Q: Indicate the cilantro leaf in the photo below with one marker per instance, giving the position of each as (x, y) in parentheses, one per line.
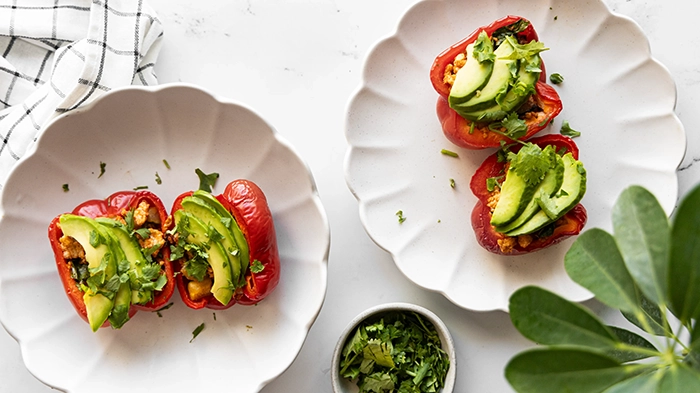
(102, 169)
(568, 131)
(532, 163)
(483, 48)
(556, 78)
(524, 51)
(196, 331)
(257, 266)
(206, 181)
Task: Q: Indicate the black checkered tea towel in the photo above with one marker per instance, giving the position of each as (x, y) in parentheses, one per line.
(60, 54)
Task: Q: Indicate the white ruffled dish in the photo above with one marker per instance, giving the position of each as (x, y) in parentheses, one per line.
(619, 97)
(132, 131)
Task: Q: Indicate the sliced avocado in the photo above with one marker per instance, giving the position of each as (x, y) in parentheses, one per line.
(471, 78)
(488, 115)
(524, 86)
(131, 252)
(92, 237)
(572, 190)
(550, 185)
(205, 213)
(223, 287)
(238, 236)
(98, 308)
(120, 309)
(515, 196)
(498, 84)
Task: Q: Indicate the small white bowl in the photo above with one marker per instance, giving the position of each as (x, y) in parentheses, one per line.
(342, 385)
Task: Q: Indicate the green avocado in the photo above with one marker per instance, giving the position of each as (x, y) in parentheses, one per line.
(205, 213)
(524, 86)
(240, 240)
(504, 71)
(131, 252)
(198, 234)
(100, 254)
(472, 77)
(550, 185)
(553, 208)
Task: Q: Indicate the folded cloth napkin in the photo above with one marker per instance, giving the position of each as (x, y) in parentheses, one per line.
(60, 54)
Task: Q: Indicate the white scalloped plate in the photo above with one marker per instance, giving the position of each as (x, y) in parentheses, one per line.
(133, 130)
(615, 93)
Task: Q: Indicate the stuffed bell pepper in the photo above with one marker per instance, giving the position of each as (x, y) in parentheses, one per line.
(111, 257)
(528, 196)
(224, 247)
(492, 86)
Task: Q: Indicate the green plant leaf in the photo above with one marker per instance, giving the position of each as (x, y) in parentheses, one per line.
(626, 337)
(684, 269)
(650, 313)
(562, 369)
(643, 383)
(679, 379)
(642, 231)
(546, 318)
(693, 357)
(595, 263)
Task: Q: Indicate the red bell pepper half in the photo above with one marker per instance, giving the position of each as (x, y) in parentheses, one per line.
(570, 224)
(116, 206)
(248, 205)
(475, 135)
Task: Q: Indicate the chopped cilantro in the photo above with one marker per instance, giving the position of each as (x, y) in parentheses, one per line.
(483, 48)
(449, 153)
(144, 233)
(196, 331)
(102, 169)
(556, 78)
(65, 187)
(206, 181)
(140, 188)
(452, 183)
(399, 214)
(214, 316)
(532, 162)
(492, 183)
(568, 131)
(165, 162)
(158, 311)
(395, 351)
(158, 179)
(524, 51)
(555, 17)
(257, 267)
(471, 128)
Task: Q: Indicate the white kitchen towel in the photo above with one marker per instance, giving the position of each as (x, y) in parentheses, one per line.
(60, 54)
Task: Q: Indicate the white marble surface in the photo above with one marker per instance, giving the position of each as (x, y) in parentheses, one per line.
(297, 62)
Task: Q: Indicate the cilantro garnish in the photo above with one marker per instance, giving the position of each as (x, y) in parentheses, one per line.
(524, 51)
(492, 183)
(532, 162)
(158, 311)
(65, 187)
(140, 188)
(102, 169)
(512, 29)
(513, 126)
(165, 162)
(449, 153)
(452, 183)
(196, 331)
(396, 351)
(483, 48)
(568, 131)
(158, 179)
(556, 78)
(206, 181)
(257, 267)
(399, 214)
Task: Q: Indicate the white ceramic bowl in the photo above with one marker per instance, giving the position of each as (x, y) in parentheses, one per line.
(133, 130)
(342, 385)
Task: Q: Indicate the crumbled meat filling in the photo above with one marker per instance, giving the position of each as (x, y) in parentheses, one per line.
(506, 244)
(141, 214)
(155, 239)
(72, 249)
